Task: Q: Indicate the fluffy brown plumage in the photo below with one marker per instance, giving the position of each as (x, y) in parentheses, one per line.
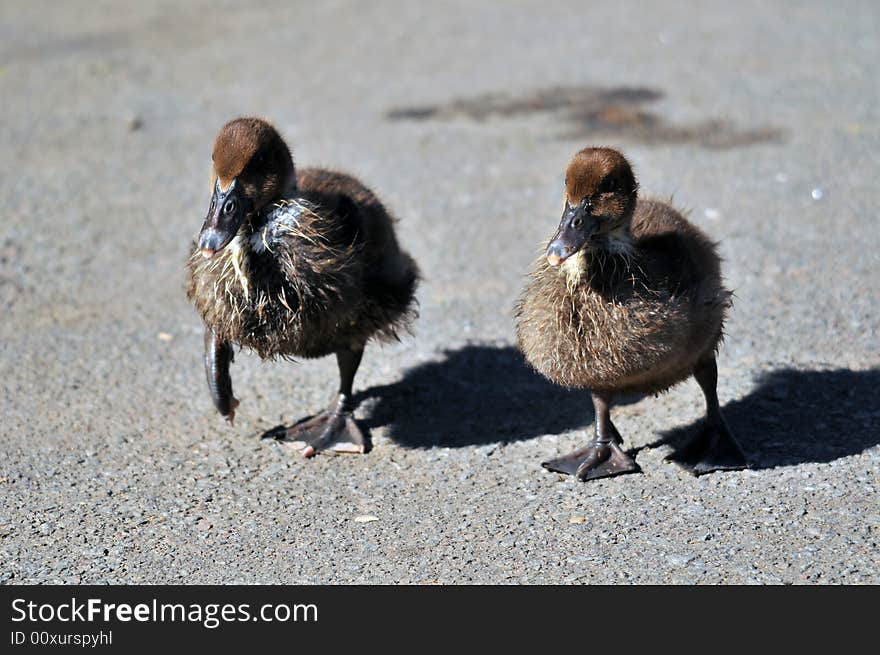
(319, 271)
(637, 320)
(628, 298)
(295, 264)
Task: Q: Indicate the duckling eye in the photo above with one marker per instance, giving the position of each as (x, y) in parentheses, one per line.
(229, 207)
(576, 223)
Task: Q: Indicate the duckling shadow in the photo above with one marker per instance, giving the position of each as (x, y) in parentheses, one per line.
(797, 417)
(476, 395)
(596, 112)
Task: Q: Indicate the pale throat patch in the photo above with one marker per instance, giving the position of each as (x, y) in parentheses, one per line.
(574, 267)
(617, 242)
(236, 254)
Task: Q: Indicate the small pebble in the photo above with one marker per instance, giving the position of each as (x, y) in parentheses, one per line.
(577, 519)
(817, 193)
(711, 213)
(368, 518)
(164, 336)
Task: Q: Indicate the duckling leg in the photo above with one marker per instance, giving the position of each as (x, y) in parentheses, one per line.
(218, 355)
(334, 429)
(715, 448)
(603, 457)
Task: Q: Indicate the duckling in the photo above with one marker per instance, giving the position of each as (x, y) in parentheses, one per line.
(295, 263)
(627, 298)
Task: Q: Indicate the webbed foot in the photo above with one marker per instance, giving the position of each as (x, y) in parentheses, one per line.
(713, 449)
(334, 430)
(597, 460)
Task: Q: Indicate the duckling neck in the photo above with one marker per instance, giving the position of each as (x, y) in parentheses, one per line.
(258, 220)
(602, 265)
(617, 242)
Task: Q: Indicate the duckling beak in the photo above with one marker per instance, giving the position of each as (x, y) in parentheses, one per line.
(225, 216)
(577, 227)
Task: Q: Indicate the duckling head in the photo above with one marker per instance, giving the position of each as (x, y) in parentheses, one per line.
(252, 168)
(600, 197)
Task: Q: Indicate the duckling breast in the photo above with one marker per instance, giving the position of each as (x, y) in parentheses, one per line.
(282, 289)
(288, 289)
(627, 338)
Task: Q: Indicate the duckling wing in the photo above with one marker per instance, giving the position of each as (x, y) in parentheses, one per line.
(677, 257)
(318, 251)
(389, 276)
(335, 246)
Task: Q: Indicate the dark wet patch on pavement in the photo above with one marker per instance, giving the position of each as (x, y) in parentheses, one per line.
(596, 112)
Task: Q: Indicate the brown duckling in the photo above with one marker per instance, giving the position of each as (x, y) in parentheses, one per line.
(295, 263)
(628, 298)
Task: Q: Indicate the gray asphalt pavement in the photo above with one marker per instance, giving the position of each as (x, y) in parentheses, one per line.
(761, 118)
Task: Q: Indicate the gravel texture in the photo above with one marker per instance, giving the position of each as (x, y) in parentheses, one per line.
(762, 121)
